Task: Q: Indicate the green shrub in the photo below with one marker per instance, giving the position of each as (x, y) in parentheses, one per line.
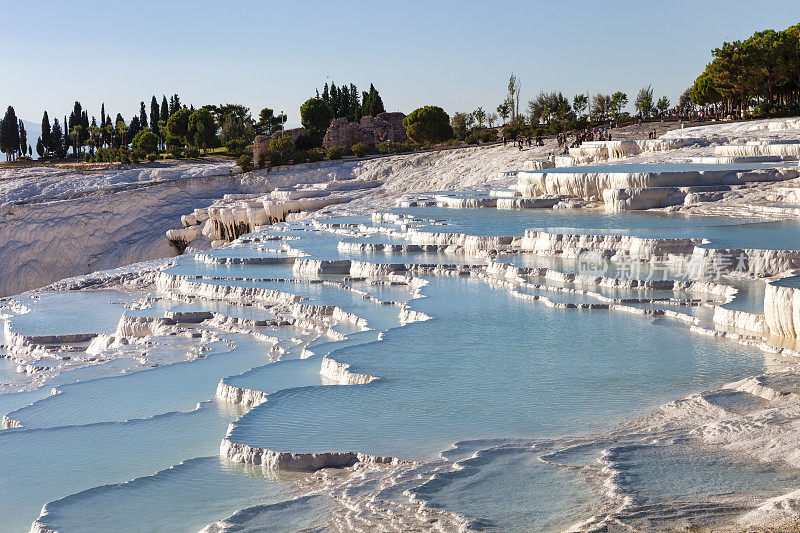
(262, 159)
(384, 148)
(428, 124)
(192, 152)
(176, 151)
(280, 151)
(300, 156)
(335, 152)
(489, 136)
(152, 157)
(473, 137)
(510, 132)
(146, 141)
(235, 147)
(315, 156)
(360, 149)
(245, 162)
(308, 141)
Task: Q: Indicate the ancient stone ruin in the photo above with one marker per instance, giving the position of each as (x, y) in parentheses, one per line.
(261, 142)
(371, 130)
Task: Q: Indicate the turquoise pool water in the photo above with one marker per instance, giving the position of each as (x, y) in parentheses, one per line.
(486, 366)
(519, 381)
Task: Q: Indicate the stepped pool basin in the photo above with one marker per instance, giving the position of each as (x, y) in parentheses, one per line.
(501, 386)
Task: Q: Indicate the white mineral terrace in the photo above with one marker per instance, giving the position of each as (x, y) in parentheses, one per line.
(476, 339)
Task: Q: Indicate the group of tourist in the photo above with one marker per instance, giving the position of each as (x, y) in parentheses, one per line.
(590, 134)
(521, 141)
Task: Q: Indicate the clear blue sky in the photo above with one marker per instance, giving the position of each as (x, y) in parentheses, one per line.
(456, 54)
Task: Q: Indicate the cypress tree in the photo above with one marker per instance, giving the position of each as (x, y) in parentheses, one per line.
(40, 147)
(135, 127)
(334, 103)
(344, 101)
(164, 109)
(142, 115)
(76, 117)
(355, 107)
(4, 133)
(45, 132)
(9, 134)
(55, 139)
(375, 102)
(154, 115)
(326, 95)
(23, 138)
(85, 125)
(103, 115)
(365, 104)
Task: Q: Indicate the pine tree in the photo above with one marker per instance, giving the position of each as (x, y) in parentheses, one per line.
(23, 138)
(45, 132)
(164, 109)
(142, 115)
(326, 95)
